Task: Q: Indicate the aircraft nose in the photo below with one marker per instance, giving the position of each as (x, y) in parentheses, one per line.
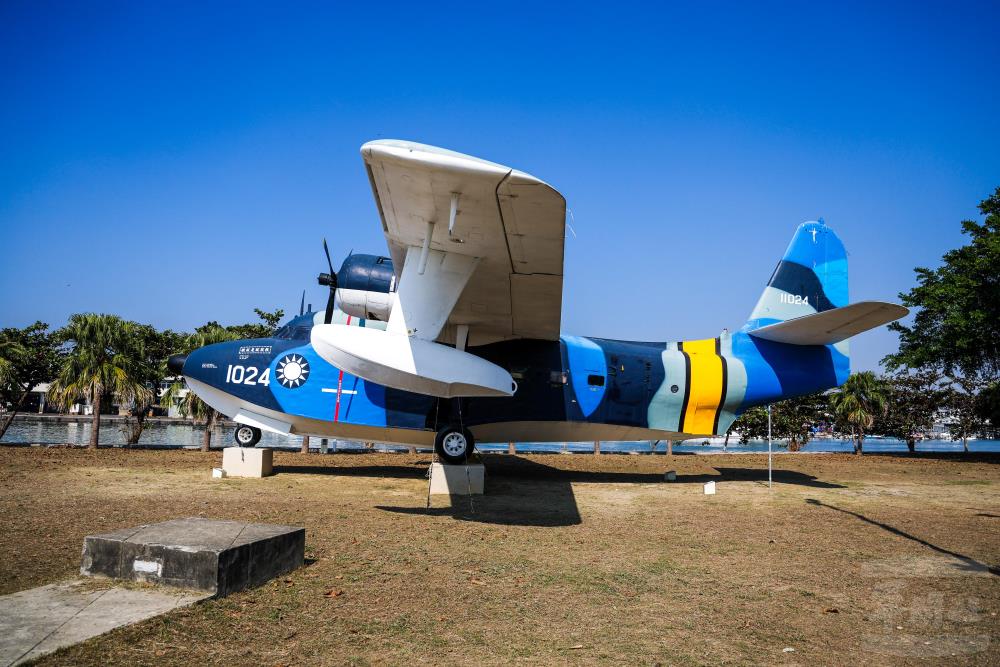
(176, 363)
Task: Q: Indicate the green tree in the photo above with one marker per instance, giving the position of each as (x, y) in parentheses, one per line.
(913, 400)
(268, 323)
(752, 424)
(156, 347)
(791, 420)
(964, 405)
(188, 402)
(857, 403)
(956, 328)
(28, 357)
(105, 359)
(988, 409)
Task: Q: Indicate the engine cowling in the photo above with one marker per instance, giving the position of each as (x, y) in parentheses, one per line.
(366, 287)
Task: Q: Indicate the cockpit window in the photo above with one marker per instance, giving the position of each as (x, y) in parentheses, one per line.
(293, 331)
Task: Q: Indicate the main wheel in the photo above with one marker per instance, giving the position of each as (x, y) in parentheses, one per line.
(246, 436)
(454, 444)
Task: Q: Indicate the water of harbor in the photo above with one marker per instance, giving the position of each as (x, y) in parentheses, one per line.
(174, 435)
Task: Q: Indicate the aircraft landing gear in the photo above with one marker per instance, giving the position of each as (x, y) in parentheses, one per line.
(454, 444)
(246, 436)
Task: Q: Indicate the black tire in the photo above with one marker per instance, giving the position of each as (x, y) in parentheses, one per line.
(454, 444)
(246, 436)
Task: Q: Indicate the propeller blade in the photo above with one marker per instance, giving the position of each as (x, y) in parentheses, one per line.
(328, 315)
(330, 280)
(326, 249)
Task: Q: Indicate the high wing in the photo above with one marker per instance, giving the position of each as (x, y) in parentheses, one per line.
(478, 253)
(489, 240)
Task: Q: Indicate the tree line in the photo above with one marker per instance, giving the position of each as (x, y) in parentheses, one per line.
(901, 405)
(102, 358)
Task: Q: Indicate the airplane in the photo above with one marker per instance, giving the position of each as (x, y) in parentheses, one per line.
(454, 337)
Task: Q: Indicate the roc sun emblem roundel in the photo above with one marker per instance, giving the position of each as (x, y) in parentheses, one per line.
(292, 371)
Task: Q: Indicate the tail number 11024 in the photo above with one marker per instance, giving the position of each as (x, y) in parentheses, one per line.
(248, 375)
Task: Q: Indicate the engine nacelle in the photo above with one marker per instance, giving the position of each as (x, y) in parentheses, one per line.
(366, 305)
(366, 287)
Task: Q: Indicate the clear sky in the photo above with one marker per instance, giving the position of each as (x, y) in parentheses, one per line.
(176, 163)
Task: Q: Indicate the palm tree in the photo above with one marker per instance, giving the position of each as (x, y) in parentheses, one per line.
(190, 405)
(858, 402)
(106, 360)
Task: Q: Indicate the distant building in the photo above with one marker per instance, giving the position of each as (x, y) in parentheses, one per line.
(174, 409)
(37, 402)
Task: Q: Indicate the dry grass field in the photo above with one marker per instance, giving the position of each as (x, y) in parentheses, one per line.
(568, 559)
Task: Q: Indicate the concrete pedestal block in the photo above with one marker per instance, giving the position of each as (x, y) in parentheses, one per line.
(458, 480)
(220, 557)
(247, 462)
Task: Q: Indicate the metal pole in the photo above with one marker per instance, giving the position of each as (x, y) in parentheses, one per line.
(769, 445)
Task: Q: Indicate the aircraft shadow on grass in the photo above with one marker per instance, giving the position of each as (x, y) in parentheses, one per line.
(524, 492)
(965, 562)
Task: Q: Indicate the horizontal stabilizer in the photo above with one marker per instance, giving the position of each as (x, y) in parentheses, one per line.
(832, 326)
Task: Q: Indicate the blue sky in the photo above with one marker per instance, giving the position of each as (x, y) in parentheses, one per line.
(176, 163)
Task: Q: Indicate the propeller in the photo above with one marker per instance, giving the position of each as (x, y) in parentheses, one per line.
(330, 280)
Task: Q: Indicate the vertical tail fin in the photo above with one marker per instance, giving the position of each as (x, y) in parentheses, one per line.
(810, 278)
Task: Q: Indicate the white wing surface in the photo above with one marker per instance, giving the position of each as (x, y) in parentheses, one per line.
(474, 244)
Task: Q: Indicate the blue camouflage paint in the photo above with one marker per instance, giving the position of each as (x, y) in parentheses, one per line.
(648, 384)
(368, 273)
(586, 358)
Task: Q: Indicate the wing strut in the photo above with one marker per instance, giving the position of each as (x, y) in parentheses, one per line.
(426, 248)
(405, 356)
(452, 213)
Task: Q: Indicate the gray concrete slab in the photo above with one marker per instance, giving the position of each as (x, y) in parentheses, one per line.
(41, 620)
(221, 557)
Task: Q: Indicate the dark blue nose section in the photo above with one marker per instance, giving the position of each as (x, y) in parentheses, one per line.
(175, 364)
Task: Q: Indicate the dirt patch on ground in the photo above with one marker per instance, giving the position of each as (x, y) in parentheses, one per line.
(567, 559)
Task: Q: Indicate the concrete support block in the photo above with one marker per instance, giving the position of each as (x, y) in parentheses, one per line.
(220, 557)
(247, 462)
(458, 480)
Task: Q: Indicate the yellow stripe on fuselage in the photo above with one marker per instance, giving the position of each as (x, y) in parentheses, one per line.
(706, 387)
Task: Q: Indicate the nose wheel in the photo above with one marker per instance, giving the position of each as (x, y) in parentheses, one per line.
(454, 444)
(246, 436)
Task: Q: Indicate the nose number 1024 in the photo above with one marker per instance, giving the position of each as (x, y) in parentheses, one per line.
(247, 375)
